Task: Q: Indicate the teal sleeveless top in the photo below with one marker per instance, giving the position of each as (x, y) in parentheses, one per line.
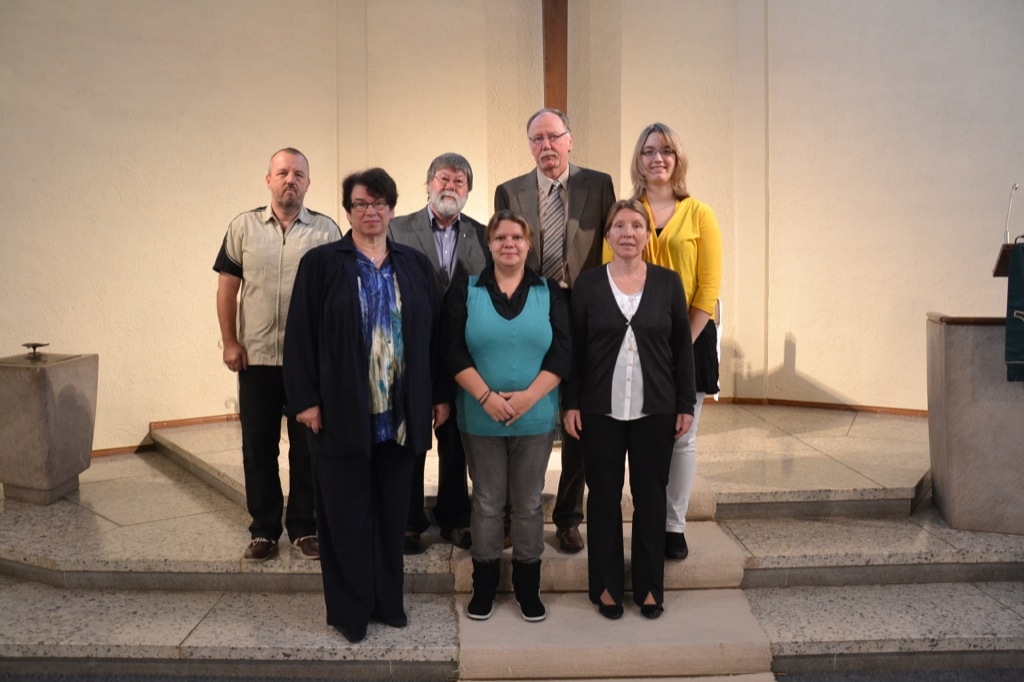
(508, 355)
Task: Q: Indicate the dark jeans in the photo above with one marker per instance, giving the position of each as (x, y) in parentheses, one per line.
(261, 403)
(648, 442)
(452, 508)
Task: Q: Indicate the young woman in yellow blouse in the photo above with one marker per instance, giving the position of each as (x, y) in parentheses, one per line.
(686, 239)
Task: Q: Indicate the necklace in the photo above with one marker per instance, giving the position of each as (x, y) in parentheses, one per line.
(376, 260)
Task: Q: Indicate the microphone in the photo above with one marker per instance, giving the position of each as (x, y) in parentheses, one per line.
(1006, 230)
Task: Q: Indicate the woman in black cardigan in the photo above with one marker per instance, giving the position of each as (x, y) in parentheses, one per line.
(630, 393)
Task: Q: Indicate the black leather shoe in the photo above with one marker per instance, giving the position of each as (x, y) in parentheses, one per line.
(569, 539)
(651, 611)
(412, 543)
(354, 634)
(610, 611)
(675, 546)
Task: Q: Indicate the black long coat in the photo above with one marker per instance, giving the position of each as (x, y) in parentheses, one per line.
(325, 358)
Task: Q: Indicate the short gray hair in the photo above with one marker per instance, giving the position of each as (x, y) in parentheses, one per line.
(453, 162)
(557, 112)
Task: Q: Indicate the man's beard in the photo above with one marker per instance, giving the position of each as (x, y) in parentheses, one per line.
(447, 204)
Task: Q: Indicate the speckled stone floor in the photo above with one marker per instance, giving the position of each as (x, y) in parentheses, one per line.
(814, 517)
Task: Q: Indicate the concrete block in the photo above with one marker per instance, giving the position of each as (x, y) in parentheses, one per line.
(47, 418)
(975, 426)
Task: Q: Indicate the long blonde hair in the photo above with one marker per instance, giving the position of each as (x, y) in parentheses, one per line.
(636, 169)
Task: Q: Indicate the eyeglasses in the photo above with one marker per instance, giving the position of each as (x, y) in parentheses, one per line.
(538, 140)
(665, 153)
(360, 206)
(457, 183)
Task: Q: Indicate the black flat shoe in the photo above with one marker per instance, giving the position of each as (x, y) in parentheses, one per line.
(354, 634)
(675, 546)
(610, 611)
(399, 621)
(651, 611)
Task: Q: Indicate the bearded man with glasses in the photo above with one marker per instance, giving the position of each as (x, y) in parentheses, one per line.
(454, 244)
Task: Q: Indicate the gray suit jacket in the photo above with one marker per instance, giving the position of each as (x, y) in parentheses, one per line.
(591, 194)
(470, 258)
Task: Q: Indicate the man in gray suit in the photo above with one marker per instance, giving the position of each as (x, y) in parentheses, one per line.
(566, 206)
(454, 243)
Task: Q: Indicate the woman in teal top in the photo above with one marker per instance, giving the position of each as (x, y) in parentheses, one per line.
(506, 334)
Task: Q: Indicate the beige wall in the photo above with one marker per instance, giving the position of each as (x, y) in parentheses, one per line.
(858, 156)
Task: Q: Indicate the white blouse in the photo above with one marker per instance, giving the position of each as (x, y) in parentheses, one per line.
(627, 379)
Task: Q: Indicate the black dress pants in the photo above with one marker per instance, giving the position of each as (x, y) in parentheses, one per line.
(568, 511)
(362, 505)
(606, 442)
(452, 506)
(261, 403)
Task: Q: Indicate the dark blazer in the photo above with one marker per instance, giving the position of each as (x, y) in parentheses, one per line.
(471, 254)
(326, 362)
(662, 328)
(591, 194)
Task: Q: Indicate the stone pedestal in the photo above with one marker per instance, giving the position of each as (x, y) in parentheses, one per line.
(47, 417)
(975, 426)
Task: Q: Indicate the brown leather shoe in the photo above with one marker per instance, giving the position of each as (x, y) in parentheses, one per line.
(309, 547)
(569, 539)
(461, 538)
(260, 549)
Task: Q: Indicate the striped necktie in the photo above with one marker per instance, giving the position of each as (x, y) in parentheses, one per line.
(552, 235)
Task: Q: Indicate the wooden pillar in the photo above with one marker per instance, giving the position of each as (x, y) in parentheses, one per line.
(556, 54)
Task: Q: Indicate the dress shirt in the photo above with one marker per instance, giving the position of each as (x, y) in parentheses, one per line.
(446, 240)
(265, 256)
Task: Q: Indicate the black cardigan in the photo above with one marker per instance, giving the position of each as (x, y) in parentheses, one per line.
(662, 328)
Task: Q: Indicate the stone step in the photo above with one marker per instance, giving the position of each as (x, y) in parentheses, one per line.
(752, 677)
(702, 632)
(893, 627)
(920, 548)
(217, 634)
(715, 561)
(110, 535)
(830, 487)
(119, 532)
(213, 453)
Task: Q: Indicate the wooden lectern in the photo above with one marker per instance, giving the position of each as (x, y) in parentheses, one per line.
(1002, 268)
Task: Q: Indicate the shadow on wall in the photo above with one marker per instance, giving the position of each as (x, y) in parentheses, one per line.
(784, 382)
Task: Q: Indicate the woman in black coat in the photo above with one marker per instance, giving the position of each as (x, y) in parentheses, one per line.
(361, 372)
(630, 393)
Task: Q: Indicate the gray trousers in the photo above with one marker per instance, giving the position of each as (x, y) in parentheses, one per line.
(508, 469)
